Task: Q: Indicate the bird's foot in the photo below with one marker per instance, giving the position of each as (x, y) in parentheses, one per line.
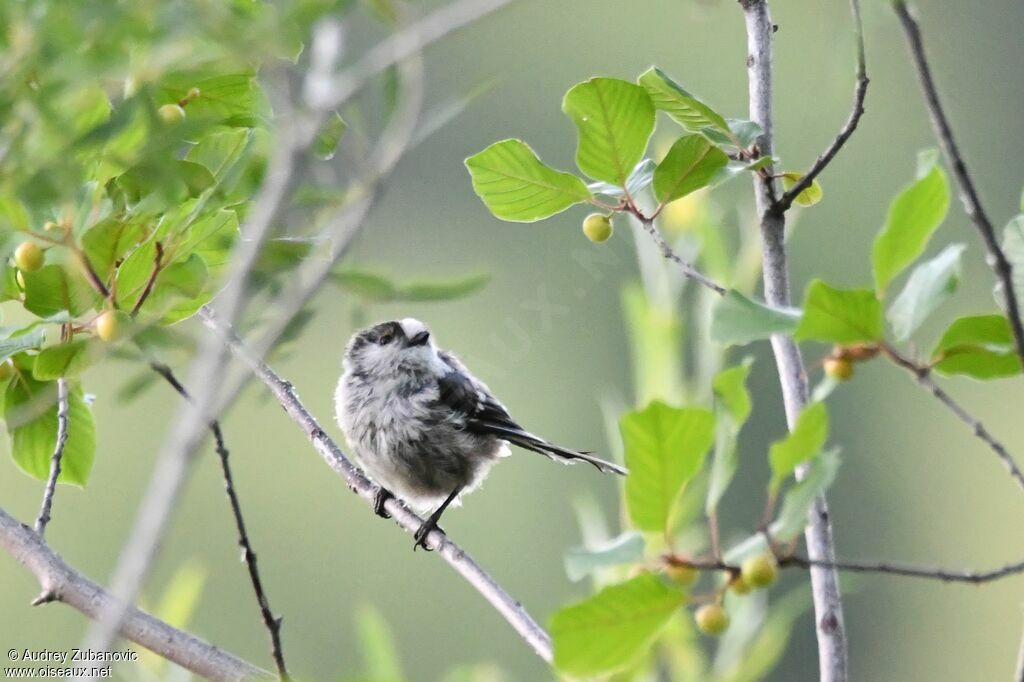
(379, 500)
(423, 531)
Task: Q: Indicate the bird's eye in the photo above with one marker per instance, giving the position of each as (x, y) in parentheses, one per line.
(384, 339)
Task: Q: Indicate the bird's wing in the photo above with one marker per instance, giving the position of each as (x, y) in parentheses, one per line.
(459, 391)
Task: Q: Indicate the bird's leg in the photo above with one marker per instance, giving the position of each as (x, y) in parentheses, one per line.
(380, 498)
(431, 523)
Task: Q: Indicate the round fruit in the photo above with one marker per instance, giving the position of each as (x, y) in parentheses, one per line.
(109, 326)
(171, 113)
(838, 368)
(6, 370)
(712, 619)
(29, 257)
(738, 585)
(683, 575)
(759, 571)
(597, 227)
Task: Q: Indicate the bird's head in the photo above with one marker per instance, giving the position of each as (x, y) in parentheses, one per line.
(389, 347)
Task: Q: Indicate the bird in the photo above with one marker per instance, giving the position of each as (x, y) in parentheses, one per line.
(422, 426)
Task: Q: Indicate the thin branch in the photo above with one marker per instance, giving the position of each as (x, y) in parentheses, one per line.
(58, 455)
(923, 375)
(91, 275)
(509, 608)
(860, 91)
(669, 253)
(157, 265)
(968, 193)
(272, 623)
(830, 630)
(60, 582)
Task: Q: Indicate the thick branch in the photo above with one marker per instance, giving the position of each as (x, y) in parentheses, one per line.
(968, 193)
(58, 455)
(924, 378)
(270, 622)
(860, 91)
(831, 634)
(509, 608)
(62, 583)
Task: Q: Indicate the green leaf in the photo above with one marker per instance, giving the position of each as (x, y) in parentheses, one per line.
(219, 151)
(808, 197)
(804, 442)
(30, 340)
(63, 360)
(614, 119)
(1013, 247)
(689, 111)
(737, 320)
(228, 99)
(732, 407)
(613, 628)
(690, 164)
(515, 185)
(108, 241)
(839, 315)
(381, 660)
(378, 288)
(664, 448)
(914, 215)
(583, 561)
(31, 413)
(211, 238)
(329, 136)
(979, 346)
(187, 277)
(930, 285)
(53, 289)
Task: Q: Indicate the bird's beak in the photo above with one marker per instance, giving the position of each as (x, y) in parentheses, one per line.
(420, 339)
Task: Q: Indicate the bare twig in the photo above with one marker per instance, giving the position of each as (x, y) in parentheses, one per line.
(860, 91)
(58, 455)
(157, 265)
(270, 622)
(831, 634)
(669, 253)
(968, 192)
(923, 375)
(60, 582)
(509, 608)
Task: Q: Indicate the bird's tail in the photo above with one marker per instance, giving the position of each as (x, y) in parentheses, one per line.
(528, 441)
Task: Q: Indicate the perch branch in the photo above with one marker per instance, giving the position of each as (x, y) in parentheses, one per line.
(830, 630)
(60, 582)
(509, 608)
(860, 91)
(270, 622)
(55, 460)
(968, 192)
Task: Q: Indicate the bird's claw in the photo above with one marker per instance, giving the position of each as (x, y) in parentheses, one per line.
(423, 532)
(380, 498)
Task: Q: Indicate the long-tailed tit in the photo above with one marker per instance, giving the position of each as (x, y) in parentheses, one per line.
(421, 425)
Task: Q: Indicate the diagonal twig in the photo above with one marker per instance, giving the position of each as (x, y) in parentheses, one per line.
(58, 455)
(669, 253)
(968, 192)
(860, 91)
(62, 583)
(272, 623)
(509, 608)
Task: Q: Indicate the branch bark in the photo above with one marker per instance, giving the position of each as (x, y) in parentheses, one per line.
(831, 632)
(60, 582)
(968, 192)
(55, 460)
(513, 612)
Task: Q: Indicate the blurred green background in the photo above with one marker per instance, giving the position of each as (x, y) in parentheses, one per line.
(914, 486)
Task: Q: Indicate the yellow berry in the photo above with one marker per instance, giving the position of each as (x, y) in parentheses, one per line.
(840, 369)
(712, 619)
(759, 571)
(50, 225)
(109, 326)
(683, 575)
(6, 370)
(738, 585)
(171, 113)
(597, 227)
(29, 257)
